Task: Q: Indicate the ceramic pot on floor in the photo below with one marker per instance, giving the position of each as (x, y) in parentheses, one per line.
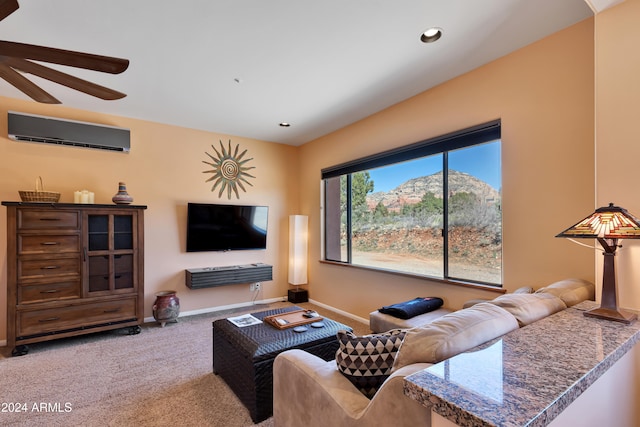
(166, 308)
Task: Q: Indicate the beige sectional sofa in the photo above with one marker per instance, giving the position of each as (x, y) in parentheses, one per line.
(309, 391)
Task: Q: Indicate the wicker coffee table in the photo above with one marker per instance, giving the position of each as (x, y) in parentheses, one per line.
(243, 357)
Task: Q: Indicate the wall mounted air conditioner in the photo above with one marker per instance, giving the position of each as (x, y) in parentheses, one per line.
(47, 130)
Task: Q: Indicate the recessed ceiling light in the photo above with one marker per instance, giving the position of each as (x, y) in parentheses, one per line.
(431, 35)
(285, 124)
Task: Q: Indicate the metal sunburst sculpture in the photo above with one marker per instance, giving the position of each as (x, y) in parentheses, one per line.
(228, 170)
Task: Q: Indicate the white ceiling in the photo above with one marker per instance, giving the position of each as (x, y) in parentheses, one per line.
(319, 65)
(600, 5)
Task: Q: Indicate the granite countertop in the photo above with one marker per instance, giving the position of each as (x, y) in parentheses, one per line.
(527, 377)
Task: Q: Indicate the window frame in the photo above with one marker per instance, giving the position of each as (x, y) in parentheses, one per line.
(468, 137)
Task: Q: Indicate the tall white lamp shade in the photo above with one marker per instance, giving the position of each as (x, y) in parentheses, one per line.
(298, 242)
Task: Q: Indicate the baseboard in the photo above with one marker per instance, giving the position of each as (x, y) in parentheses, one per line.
(223, 307)
(337, 310)
(264, 301)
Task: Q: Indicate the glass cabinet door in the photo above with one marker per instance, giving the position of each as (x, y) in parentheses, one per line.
(98, 273)
(98, 232)
(122, 232)
(109, 252)
(123, 271)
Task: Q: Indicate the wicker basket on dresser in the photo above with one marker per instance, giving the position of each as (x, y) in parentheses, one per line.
(72, 269)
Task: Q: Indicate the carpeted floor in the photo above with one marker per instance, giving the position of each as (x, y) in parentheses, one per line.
(161, 377)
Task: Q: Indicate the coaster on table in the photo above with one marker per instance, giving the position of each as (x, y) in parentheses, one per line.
(300, 329)
(317, 325)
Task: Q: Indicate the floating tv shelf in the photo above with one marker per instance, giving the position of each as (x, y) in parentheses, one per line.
(209, 277)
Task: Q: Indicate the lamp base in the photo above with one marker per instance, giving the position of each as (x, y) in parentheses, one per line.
(297, 295)
(617, 315)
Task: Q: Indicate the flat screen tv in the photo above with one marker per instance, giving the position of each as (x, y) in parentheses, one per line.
(212, 227)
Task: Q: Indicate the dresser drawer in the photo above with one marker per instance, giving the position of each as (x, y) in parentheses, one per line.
(35, 219)
(48, 244)
(34, 322)
(29, 294)
(49, 267)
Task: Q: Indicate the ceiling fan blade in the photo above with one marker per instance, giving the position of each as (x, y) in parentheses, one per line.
(7, 7)
(62, 78)
(26, 86)
(105, 64)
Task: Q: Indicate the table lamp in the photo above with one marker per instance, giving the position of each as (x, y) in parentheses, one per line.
(607, 225)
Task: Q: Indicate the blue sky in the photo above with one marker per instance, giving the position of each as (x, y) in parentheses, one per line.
(479, 161)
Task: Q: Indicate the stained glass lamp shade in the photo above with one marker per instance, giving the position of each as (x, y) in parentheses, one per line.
(607, 225)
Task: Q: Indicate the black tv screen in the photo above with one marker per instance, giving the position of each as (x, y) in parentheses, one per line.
(226, 227)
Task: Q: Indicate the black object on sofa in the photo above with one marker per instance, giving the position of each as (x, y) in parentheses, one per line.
(411, 308)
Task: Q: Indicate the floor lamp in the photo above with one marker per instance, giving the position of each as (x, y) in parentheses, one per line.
(298, 243)
(607, 225)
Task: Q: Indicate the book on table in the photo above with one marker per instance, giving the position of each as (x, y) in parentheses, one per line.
(244, 320)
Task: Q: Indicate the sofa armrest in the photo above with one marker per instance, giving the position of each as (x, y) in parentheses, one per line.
(312, 392)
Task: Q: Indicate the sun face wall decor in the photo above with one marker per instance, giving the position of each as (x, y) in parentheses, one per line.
(229, 171)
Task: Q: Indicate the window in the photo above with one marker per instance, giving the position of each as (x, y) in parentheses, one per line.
(432, 208)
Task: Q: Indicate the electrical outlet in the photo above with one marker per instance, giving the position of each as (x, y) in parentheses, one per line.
(255, 286)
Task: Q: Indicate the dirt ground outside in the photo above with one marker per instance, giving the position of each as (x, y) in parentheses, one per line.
(473, 255)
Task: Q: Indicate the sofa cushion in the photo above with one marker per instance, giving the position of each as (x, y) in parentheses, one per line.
(571, 291)
(454, 333)
(380, 322)
(367, 360)
(528, 308)
(412, 308)
(522, 290)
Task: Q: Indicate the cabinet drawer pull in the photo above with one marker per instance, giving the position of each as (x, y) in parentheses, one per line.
(114, 310)
(117, 276)
(49, 319)
(50, 267)
(50, 291)
(50, 243)
(50, 219)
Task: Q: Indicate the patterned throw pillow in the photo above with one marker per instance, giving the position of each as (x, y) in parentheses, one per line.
(367, 360)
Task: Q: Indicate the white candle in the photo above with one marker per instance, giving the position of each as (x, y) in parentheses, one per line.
(84, 197)
(91, 197)
(76, 196)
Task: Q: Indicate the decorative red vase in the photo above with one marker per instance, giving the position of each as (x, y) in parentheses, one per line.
(166, 308)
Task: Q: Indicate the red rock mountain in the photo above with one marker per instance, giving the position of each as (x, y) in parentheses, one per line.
(412, 191)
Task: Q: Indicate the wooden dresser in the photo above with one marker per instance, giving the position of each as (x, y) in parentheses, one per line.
(72, 269)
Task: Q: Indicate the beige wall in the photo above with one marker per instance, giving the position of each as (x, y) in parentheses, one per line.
(544, 96)
(164, 172)
(617, 67)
